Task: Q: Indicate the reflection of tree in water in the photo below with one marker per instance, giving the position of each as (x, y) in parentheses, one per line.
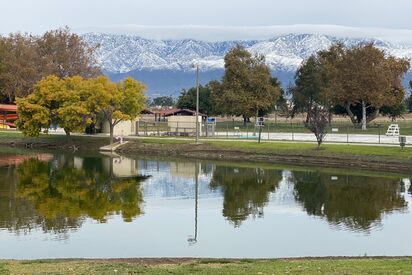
(245, 190)
(62, 196)
(16, 214)
(410, 187)
(358, 202)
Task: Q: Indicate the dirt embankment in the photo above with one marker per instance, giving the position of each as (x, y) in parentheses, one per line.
(54, 142)
(209, 152)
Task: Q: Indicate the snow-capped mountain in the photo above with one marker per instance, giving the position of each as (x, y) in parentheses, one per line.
(121, 55)
(125, 53)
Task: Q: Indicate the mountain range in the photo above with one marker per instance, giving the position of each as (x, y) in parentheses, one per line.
(166, 66)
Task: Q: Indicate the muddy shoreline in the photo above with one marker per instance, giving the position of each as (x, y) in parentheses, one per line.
(208, 152)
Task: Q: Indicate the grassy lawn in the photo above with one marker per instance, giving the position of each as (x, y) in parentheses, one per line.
(292, 266)
(327, 149)
(295, 148)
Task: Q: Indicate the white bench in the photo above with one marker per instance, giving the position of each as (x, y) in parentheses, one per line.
(393, 130)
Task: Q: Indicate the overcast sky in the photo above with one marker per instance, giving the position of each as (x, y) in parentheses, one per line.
(212, 19)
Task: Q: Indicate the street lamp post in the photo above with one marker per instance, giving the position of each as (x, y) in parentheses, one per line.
(193, 239)
(197, 103)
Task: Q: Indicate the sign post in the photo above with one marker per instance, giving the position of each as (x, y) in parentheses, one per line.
(260, 123)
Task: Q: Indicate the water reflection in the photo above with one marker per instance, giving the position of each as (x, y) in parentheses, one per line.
(58, 195)
(15, 214)
(410, 189)
(356, 202)
(193, 239)
(58, 192)
(245, 190)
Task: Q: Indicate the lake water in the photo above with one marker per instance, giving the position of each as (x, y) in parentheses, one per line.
(59, 205)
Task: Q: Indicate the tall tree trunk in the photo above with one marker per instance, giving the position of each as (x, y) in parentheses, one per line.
(373, 115)
(111, 132)
(350, 114)
(256, 118)
(363, 115)
(309, 110)
(244, 120)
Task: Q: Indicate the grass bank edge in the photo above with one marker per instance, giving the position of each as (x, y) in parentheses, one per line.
(305, 148)
(332, 265)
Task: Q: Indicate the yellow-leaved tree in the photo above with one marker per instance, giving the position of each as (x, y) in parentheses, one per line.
(55, 102)
(116, 102)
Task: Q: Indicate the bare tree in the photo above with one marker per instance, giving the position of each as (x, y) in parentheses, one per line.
(318, 123)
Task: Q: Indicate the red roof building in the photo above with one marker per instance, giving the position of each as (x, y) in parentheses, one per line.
(8, 115)
(8, 108)
(175, 112)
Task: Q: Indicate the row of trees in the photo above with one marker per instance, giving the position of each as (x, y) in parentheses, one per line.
(72, 103)
(247, 88)
(56, 81)
(360, 82)
(26, 59)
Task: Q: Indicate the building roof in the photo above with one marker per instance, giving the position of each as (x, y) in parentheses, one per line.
(146, 112)
(8, 108)
(174, 112)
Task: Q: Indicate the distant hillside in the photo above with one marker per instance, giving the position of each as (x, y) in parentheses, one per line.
(165, 65)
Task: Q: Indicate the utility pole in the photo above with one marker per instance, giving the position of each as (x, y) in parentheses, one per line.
(197, 104)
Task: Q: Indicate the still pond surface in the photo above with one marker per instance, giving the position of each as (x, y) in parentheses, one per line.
(59, 205)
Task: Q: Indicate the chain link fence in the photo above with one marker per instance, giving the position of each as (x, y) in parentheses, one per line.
(338, 132)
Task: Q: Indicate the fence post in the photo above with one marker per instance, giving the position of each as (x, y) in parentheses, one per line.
(227, 130)
(177, 128)
(379, 135)
(145, 128)
(247, 130)
(347, 134)
(268, 131)
(293, 134)
(158, 130)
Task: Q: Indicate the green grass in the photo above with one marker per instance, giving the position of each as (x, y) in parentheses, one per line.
(295, 148)
(291, 266)
(309, 148)
(3, 269)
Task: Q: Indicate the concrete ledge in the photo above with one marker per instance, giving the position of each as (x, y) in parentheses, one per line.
(113, 147)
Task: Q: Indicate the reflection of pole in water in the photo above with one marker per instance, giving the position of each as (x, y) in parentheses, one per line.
(193, 240)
